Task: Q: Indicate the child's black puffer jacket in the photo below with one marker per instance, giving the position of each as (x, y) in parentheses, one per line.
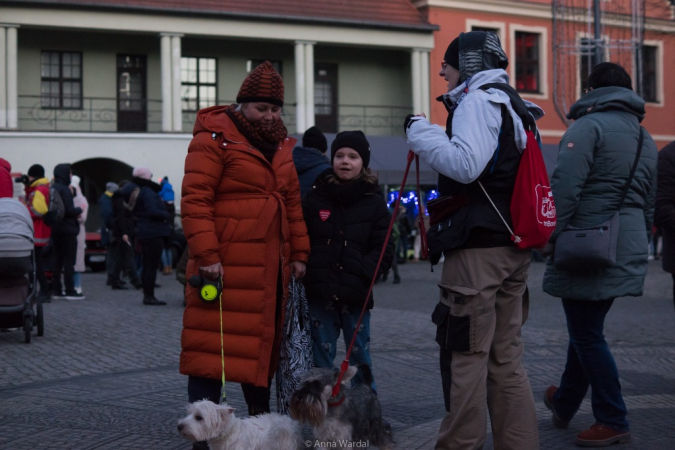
(347, 224)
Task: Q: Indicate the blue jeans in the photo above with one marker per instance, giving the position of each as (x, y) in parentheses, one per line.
(167, 258)
(327, 321)
(590, 363)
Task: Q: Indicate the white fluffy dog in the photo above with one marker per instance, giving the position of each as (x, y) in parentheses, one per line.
(217, 425)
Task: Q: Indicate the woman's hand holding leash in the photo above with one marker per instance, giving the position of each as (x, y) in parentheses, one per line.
(212, 272)
(298, 269)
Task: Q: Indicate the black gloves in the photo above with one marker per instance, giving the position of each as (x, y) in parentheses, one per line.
(409, 119)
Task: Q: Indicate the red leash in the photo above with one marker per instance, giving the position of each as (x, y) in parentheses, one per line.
(345, 364)
(424, 249)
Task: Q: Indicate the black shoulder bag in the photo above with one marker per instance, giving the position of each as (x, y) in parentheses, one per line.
(582, 249)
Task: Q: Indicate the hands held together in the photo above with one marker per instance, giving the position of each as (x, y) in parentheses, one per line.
(215, 271)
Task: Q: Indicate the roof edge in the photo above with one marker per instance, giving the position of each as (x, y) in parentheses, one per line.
(423, 27)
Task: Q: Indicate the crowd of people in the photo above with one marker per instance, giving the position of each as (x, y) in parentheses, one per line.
(257, 210)
(136, 224)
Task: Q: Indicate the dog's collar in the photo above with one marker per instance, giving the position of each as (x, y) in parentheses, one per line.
(336, 400)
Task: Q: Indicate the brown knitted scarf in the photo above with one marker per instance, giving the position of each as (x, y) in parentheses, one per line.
(264, 139)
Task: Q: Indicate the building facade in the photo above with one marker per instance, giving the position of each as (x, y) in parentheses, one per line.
(526, 30)
(110, 85)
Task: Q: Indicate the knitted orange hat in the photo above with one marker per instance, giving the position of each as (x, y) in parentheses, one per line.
(263, 84)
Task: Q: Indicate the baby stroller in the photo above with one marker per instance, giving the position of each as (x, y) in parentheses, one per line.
(18, 286)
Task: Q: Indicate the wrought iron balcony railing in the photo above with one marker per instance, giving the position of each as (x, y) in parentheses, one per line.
(100, 115)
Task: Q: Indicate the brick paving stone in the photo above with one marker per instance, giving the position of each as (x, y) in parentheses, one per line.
(105, 375)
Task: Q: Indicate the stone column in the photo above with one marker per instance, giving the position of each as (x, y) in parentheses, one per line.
(424, 85)
(309, 84)
(416, 77)
(12, 77)
(300, 87)
(176, 108)
(304, 85)
(3, 77)
(167, 102)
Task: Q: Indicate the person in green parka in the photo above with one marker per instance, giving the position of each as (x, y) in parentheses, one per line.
(594, 163)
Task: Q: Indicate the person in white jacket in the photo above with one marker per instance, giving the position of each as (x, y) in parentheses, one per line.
(480, 313)
(80, 201)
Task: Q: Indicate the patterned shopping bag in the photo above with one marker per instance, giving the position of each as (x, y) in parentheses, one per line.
(295, 357)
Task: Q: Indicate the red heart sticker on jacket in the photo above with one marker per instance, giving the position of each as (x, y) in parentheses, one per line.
(324, 214)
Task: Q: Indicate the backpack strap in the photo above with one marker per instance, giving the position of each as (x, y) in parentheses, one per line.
(517, 104)
(131, 204)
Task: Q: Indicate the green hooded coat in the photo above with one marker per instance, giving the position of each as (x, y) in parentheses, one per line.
(594, 162)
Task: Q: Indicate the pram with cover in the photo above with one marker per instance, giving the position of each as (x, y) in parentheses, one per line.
(18, 286)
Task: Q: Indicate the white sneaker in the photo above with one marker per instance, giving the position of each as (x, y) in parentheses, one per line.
(74, 296)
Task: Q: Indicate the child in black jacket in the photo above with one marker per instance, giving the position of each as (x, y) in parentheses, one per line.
(347, 221)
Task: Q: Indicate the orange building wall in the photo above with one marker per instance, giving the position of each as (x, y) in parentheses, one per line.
(659, 120)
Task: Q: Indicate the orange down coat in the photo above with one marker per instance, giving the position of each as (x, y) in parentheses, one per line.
(242, 211)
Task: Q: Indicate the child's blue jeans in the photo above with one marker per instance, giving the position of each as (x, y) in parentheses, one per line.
(327, 321)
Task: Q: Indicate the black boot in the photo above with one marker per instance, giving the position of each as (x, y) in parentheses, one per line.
(256, 410)
(110, 281)
(151, 300)
(117, 285)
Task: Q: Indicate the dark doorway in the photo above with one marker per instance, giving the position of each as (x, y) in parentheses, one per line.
(94, 174)
(325, 97)
(132, 112)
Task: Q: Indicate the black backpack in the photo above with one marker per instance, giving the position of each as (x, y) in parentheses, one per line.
(57, 210)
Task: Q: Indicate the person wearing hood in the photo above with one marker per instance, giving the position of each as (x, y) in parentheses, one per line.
(594, 164)
(80, 201)
(243, 221)
(664, 212)
(152, 227)
(483, 284)
(6, 182)
(64, 237)
(310, 158)
(168, 198)
(37, 201)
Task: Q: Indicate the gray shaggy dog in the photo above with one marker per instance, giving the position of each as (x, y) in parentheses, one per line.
(356, 417)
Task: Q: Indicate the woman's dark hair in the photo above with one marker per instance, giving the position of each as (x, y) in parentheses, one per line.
(609, 74)
(366, 174)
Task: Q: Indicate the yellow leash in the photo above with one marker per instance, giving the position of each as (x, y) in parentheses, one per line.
(222, 348)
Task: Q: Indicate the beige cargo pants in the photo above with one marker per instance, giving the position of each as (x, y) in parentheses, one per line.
(484, 290)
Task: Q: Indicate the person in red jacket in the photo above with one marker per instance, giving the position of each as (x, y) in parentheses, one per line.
(6, 183)
(243, 222)
(37, 200)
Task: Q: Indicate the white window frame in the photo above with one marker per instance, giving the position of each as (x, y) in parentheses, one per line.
(543, 59)
(501, 26)
(606, 57)
(659, 72)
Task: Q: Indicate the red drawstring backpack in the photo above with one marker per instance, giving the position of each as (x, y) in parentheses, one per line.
(532, 207)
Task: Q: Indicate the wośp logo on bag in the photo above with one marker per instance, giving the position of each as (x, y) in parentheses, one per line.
(546, 207)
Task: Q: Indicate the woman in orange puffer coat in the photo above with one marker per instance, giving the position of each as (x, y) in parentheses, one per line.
(243, 220)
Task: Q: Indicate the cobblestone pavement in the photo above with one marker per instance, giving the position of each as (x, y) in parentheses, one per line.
(105, 374)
